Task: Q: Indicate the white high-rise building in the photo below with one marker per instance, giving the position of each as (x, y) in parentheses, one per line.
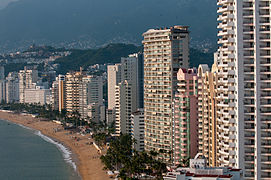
(113, 79)
(126, 94)
(123, 108)
(165, 51)
(12, 87)
(27, 80)
(137, 121)
(91, 93)
(244, 87)
(38, 95)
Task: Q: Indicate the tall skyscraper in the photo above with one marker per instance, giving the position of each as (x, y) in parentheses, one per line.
(185, 119)
(165, 51)
(113, 79)
(58, 93)
(126, 97)
(207, 105)
(244, 87)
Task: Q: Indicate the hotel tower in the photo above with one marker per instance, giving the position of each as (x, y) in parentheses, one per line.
(165, 51)
(244, 87)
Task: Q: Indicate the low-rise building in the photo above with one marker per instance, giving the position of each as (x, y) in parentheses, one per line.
(199, 171)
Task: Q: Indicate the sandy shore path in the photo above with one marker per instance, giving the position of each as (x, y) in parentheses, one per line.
(86, 157)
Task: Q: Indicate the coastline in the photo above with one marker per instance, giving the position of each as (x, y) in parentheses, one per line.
(83, 158)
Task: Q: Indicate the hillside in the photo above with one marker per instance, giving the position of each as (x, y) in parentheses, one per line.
(113, 53)
(85, 24)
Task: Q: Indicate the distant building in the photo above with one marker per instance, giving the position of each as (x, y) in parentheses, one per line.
(137, 130)
(2, 91)
(185, 119)
(123, 108)
(113, 79)
(37, 95)
(27, 80)
(2, 73)
(12, 87)
(58, 93)
(199, 171)
(127, 79)
(90, 93)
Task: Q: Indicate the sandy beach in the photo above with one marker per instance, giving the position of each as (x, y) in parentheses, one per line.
(86, 157)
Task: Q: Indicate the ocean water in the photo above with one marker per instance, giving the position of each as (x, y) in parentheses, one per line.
(26, 154)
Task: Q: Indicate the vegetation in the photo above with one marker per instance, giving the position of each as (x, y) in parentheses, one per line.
(130, 163)
(111, 53)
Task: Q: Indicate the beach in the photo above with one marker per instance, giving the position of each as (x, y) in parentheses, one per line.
(85, 156)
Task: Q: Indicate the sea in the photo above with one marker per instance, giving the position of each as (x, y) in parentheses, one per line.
(26, 154)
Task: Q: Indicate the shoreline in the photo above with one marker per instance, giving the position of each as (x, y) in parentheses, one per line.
(84, 156)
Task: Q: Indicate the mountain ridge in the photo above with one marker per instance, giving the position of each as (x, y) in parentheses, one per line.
(95, 23)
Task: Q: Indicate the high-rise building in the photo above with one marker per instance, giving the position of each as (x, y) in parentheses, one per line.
(2, 73)
(58, 93)
(137, 130)
(207, 113)
(165, 51)
(113, 79)
(72, 82)
(185, 119)
(244, 87)
(123, 108)
(128, 92)
(2, 91)
(12, 88)
(27, 80)
(37, 95)
(90, 93)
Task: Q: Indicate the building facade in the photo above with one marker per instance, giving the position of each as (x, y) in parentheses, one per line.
(12, 88)
(137, 132)
(90, 93)
(27, 80)
(207, 113)
(38, 95)
(185, 119)
(244, 87)
(113, 79)
(165, 51)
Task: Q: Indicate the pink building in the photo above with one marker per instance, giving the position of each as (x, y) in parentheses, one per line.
(185, 121)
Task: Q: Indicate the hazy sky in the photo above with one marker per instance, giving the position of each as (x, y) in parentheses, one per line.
(3, 3)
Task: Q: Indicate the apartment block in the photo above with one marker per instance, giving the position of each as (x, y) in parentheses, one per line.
(12, 87)
(137, 130)
(128, 92)
(207, 113)
(90, 96)
(244, 87)
(58, 93)
(165, 51)
(185, 118)
(124, 108)
(113, 79)
(38, 95)
(27, 80)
